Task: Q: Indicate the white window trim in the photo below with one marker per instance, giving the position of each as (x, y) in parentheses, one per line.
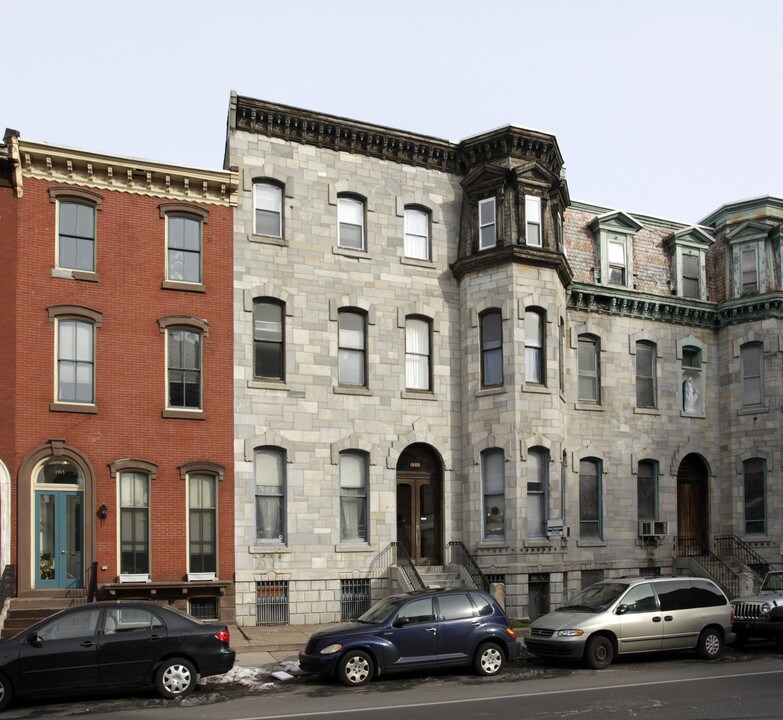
(493, 225)
(533, 210)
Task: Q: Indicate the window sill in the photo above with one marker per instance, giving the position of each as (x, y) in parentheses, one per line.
(757, 410)
(268, 549)
(186, 286)
(646, 411)
(268, 240)
(418, 262)
(491, 391)
(701, 416)
(592, 407)
(74, 408)
(343, 390)
(535, 388)
(591, 543)
(267, 385)
(184, 414)
(348, 252)
(426, 395)
(500, 544)
(66, 274)
(359, 546)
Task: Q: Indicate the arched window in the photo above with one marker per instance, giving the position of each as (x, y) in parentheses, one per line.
(589, 369)
(350, 215)
(268, 340)
(352, 344)
(267, 209)
(353, 496)
(269, 469)
(491, 349)
(752, 359)
(646, 382)
(418, 354)
(417, 234)
(202, 523)
(537, 483)
(494, 493)
(590, 510)
(754, 472)
(535, 357)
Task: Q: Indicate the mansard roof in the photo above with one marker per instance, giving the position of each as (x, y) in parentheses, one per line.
(618, 219)
(765, 207)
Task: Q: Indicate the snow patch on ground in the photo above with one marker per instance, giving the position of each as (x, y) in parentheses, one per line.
(255, 678)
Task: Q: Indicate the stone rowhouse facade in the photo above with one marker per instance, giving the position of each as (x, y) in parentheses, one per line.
(123, 293)
(506, 242)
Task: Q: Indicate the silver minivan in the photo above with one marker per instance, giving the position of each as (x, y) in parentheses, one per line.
(633, 615)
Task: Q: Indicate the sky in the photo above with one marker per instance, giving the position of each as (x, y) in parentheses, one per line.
(669, 108)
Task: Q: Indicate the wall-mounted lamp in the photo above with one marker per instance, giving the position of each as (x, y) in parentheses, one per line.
(103, 512)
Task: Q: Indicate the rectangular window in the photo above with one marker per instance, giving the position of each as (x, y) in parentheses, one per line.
(134, 523)
(691, 284)
(202, 523)
(75, 362)
(269, 470)
(646, 362)
(417, 234)
(534, 347)
(533, 220)
(647, 490)
(589, 370)
(590, 526)
(268, 205)
(494, 491)
(617, 263)
(749, 271)
(268, 345)
(692, 381)
(184, 253)
(487, 228)
(754, 476)
(417, 354)
(491, 349)
(184, 371)
(537, 481)
(561, 358)
(355, 598)
(353, 497)
(272, 607)
(752, 359)
(76, 236)
(352, 348)
(350, 214)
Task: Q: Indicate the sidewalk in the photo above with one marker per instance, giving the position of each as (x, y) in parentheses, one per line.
(258, 646)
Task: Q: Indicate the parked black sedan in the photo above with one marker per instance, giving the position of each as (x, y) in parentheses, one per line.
(415, 631)
(113, 645)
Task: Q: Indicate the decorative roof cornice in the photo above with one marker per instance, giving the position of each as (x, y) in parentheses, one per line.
(129, 175)
(674, 310)
(499, 256)
(341, 134)
(766, 207)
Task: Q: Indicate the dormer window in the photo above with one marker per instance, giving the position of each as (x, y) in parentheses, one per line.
(691, 285)
(749, 271)
(614, 233)
(533, 220)
(487, 224)
(688, 248)
(617, 262)
(747, 259)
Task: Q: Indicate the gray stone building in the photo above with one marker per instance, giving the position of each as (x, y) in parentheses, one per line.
(441, 356)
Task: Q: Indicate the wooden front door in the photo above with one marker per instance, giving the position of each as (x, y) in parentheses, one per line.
(419, 503)
(692, 500)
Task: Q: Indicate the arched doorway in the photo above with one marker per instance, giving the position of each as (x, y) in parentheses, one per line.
(692, 499)
(420, 504)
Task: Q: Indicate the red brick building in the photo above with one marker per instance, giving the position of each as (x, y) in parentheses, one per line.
(116, 424)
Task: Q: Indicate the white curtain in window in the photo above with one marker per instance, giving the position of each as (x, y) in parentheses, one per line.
(417, 354)
(352, 496)
(533, 347)
(416, 234)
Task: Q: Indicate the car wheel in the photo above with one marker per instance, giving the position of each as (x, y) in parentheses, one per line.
(355, 668)
(6, 692)
(489, 659)
(710, 644)
(176, 677)
(599, 652)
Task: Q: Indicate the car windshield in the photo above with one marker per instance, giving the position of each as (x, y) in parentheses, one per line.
(596, 598)
(773, 581)
(381, 610)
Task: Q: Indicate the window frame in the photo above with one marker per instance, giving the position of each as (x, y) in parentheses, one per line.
(490, 201)
(281, 458)
(202, 511)
(343, 203)
(541, 463)
(61, 202)
(342, 349)
(280, 190)
(76, 361)
(408, 213)
(535, 347)
(133, 511)
(745, 287)
(362, 494)
(649, 382)
(533, 209)
(412, 356)
(493, 512)
(585, 521)
(692, 378)
(189, 217)
(199, 370)
(686, 276)
(491, 348)
(747, 520)
(277, 345)
(746, 377)
(591, 375)
(651, 478)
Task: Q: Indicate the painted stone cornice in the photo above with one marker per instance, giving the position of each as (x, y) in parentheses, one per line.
(129, 175)
(488, 260)
(342, 134)
(678, 311)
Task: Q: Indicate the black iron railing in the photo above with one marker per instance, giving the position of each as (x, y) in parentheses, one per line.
(7, 584)
(459, 555)
(396, 554)
(733, 546)
(92, 582)
(720, 572)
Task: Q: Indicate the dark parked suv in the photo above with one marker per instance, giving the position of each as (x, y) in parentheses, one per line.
(761, 615)
(419, 630)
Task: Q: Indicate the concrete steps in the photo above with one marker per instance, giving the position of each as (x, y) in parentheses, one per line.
(26, 611)
(438, 576)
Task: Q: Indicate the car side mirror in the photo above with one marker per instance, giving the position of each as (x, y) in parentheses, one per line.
(401, 622)
(34, 639)
(621, 610)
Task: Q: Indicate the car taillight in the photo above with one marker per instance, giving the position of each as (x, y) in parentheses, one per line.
(223, 635)
(511, 632)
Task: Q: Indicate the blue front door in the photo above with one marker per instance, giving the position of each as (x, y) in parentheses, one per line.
(59, 539)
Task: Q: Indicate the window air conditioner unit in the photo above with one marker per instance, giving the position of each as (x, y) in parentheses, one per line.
(653, 528)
